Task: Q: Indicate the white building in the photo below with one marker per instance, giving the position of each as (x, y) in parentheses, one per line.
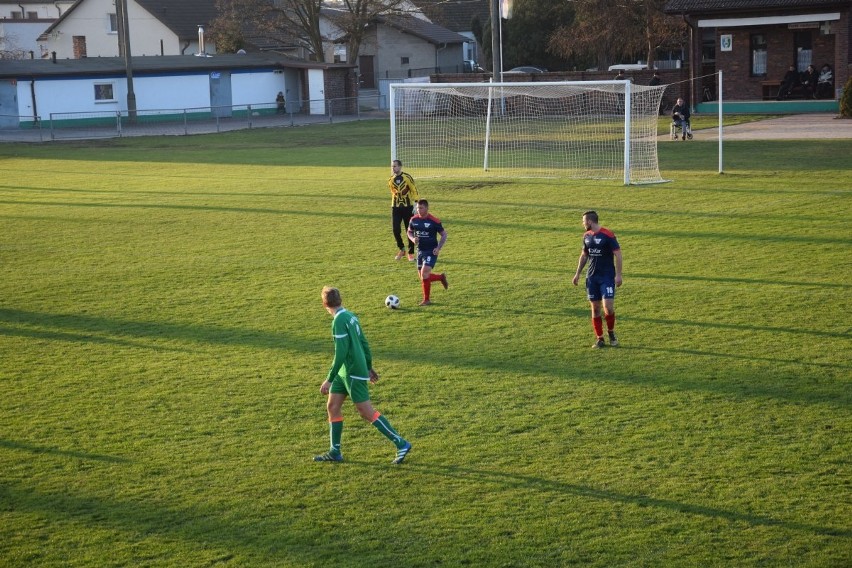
(41, 88)
(397, 46)
(89, 28)
(22, 22)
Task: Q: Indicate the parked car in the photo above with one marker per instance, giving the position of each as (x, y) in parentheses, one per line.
(526, 69)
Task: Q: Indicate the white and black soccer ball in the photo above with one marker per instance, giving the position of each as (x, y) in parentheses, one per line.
(392, 302)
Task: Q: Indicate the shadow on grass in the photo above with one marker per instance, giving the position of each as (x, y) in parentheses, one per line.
(8, 444)
(477, 312)
(731, 280)
(698, 353)
(208, 208)
(527, 482)
(660, 276)
(545, 205)
(834, 394)
(85, 325)
(203, 529)
(78, 338)
(726, 236)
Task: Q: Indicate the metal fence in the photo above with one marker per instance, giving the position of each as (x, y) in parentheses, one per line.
(186, 121)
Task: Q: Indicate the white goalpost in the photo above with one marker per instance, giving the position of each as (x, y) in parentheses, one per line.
(570, 129)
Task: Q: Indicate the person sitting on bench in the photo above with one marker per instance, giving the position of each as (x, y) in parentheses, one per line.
(790, 80)
(809, 82)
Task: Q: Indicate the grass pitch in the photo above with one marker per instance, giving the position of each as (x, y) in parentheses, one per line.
(162, 344)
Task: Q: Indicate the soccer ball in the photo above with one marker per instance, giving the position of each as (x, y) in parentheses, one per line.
(392, 302)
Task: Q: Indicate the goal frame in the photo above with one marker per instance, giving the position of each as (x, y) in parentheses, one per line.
(628, 93)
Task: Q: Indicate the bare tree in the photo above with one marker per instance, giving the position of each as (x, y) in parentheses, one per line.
(609, 30)
(298, 22)
(9, 48)
(294, 22)
(353, 19)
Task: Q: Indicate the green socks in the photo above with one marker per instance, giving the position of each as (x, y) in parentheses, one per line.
(382, 425)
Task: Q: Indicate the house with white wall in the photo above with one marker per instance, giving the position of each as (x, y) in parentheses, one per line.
(41, 88)
(22, 22)
(89, 28)
(398, 46)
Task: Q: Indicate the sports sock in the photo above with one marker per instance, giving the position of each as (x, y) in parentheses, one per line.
(336, 433)
(427, 288)
(597, 323)
(382, 425)
(434, 277)
(610, 322)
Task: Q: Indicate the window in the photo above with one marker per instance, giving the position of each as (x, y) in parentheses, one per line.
(104, 93)
(758, 55)
(113, 23)
(32, 15)
(17, 16)
(804, 51)
(403, 61)
(708, 45)
(340, 53)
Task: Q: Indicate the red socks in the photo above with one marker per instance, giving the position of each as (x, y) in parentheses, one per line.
(597, 323)
(610, 322)
(427, 284)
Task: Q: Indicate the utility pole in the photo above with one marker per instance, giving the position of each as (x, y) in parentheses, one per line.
(496, 43)
(123, 22)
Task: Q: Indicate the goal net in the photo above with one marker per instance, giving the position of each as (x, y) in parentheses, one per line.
(578, 129)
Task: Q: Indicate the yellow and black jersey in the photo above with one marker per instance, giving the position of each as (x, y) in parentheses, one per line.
(403, 192)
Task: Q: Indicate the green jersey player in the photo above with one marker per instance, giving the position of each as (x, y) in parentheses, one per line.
(350, 374)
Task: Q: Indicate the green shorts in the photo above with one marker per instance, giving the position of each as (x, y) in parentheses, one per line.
(357, 389)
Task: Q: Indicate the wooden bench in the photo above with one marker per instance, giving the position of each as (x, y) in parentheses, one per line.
(770, 89)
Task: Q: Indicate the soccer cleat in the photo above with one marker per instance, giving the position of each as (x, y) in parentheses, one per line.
(411, 257)
(599, 344)
(329, 457)
(401, 453)
(425, 303)
(444, 282)
(612, 339)
(683, 137)
(399, 255)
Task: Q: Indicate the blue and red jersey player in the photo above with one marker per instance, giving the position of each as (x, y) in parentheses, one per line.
(603, 254)
(427, 232)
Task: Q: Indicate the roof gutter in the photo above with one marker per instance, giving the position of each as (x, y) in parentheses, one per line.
(767, 20)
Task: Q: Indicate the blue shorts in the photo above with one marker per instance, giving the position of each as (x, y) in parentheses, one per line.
(428, 258)
(599, 287)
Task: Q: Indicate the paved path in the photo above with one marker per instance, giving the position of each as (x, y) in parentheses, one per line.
(793, 127)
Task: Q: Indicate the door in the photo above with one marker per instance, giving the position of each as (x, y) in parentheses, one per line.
(316, 90)
(9, 104)
(367, 71)
(220, 94)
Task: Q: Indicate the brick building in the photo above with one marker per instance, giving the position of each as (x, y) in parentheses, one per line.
(753, 42)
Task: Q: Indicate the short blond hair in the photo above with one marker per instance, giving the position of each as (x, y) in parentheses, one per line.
(331, 297)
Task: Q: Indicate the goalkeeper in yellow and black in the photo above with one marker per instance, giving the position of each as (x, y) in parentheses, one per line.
(403, 200)
(349, 375)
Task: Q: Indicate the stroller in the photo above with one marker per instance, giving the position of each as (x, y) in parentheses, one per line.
(685, 129)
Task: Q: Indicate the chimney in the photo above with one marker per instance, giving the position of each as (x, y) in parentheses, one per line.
(79, 46)
(201, 48)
